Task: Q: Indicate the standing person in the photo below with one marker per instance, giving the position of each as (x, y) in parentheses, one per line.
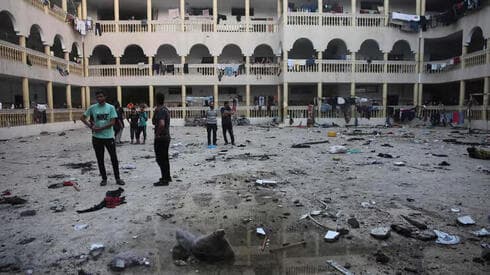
(143, 117)
(102, 119)
(211, 124)
(119, 126)
(226, 124)
(133, 123)
(161, 120)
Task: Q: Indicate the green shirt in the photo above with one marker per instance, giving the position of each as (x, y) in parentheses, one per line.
(101, 115)
(143, 117)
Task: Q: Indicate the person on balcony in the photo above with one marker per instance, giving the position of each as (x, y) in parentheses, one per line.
(102, 119)
(226, 123)
(211, 124)
(161, 121)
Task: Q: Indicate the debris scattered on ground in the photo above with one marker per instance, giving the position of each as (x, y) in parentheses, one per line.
(260, 231)
(382, 155)
(337, 149)
(415, 223)
(445, 238)
(12, 200)
(465, 220)
(444, 163)
(64, 184)
(85, 166)
(340, 268)
(440, 155)
(209, 248)
(111, 200)
(26, 241)
(128, 166)
(288, 246)
(308, 144)
(353, 222)
(481, 233)
(9, 263)
(478, 153)
(165, 216)
(331, 236)
(79, 227)
(128, 259)
(381, 257)
(266, 183)
(399, 163)
(381, 233)
(28, 213)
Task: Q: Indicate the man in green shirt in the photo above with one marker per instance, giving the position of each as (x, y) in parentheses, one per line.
(102, 119)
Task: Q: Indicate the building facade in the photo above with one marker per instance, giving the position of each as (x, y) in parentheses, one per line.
(273, 57)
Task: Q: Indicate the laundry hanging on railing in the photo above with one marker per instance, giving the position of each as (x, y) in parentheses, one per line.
(141, 66)
(405, 17)
(441, 66)
(230, 70)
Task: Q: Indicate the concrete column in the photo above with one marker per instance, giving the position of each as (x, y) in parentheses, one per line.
(319, 95)
(118, 63)
(46, 9)
(68, 101)
(247, 15)
(352, 89)
(279, 101)
(285, 62)
(25, 93)
(64, 5)
(148, 12)
(415, 94)
(119, 95)
(87, 96)
(183, 102)
(215, 95)
(285, 18)
(320, 6)
(247, 99)
(67, 58)
(25, 98)
(68, 96)
(116, 10)
(151, 95)
(47, 51)
(84, 9)
(85, 67)
(488, 51)
(279, 9)
(417, 6)
(215, 15)
(385, 98)
(49, 88)
(150, 65)
(215, 62)
(79, 11)
(83, 97)
(422, 7)
(464, 52)
(353, 62)
(247, 64)
(387, 11)
(486, 96)
(285, 99)
(385, 65)
(420, 97)
(182, 15)
(354, 11)
(462, 94)
(22, 43)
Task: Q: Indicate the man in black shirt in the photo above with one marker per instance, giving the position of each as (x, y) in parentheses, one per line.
(226, 124)
(161, 120)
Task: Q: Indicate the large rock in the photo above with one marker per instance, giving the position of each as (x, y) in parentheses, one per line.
(381, 233)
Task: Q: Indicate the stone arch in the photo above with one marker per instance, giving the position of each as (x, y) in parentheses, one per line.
(35, 40)
(8, 27)
(58, 46)
(302, 48)
(133, 54)
(102, 55)
(401, 51)
(476, 40)
(75, 51)
(369, 50)
(168, 54)
(231, 54)
(336, 49)
(263, 51)
(199, 53)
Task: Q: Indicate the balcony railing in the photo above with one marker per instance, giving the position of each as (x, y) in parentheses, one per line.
(333, 19)
(475, 58)
(102, 70)
(10, 51)
(55, 11)
(335, 66)
(369, 67)
(37, 58)
(264, 69)
(134, 70)
(336, 20)
(442, 66)
(403, 67)
(370, 20)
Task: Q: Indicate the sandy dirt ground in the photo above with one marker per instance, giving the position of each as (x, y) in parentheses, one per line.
(211, 194)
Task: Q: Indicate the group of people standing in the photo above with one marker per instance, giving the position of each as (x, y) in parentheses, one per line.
(137, 123)
(212, 124)
(104, 120)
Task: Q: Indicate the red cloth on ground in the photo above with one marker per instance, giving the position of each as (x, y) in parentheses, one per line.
(112, 202)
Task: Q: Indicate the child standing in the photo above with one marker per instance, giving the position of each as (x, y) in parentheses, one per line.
(133, 123)
(143, 117)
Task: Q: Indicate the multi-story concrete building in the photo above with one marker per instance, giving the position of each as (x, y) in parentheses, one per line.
(278, 53)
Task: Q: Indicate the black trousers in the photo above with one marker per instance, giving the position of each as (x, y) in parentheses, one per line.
(141, 129)
(161, 153)
(228, 128)
(211, 128)
(133, 131)
(99, 144)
